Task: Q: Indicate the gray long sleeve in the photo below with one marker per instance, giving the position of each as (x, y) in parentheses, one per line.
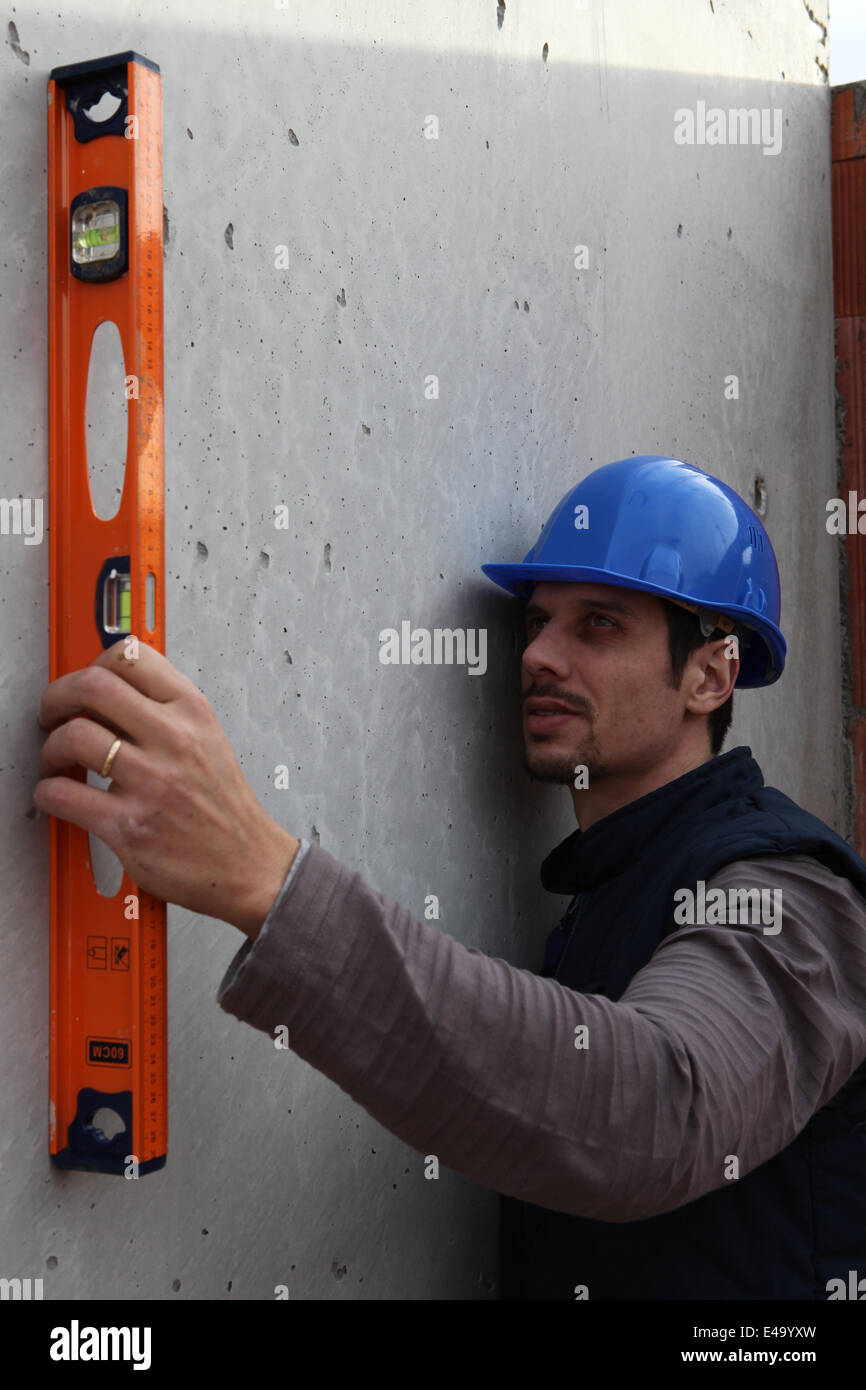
(725, 1043)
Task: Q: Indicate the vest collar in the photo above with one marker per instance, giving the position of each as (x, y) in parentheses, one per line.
(586, 858)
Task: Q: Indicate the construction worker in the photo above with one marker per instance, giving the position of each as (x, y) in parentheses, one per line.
(675, 1106)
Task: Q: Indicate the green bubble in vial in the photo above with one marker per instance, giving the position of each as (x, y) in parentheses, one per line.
(98, 236)
(125, 610)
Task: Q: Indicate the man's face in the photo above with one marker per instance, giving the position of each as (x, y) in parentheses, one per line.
(602, 652)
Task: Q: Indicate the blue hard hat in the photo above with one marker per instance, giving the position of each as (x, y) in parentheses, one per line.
(667, 528)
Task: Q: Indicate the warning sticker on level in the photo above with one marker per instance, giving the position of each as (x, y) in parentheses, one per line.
(109, 1052)
(97, 951)
(120, 953)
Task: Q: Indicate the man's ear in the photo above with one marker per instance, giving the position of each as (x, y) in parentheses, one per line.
(712, 671)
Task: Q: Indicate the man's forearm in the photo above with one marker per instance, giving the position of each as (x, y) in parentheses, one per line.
(467, 1057)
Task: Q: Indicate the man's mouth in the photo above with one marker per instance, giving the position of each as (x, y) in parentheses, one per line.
(543, 716)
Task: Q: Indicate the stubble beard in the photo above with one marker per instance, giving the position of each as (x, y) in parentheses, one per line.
(545, 763)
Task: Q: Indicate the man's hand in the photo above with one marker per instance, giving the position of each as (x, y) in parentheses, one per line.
(179, 813)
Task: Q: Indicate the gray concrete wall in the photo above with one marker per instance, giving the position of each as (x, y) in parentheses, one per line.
(409, 257)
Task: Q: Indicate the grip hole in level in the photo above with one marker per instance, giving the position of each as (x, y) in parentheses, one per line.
(103, 110)
(107, 1122)
(107, 421)
(105, 866)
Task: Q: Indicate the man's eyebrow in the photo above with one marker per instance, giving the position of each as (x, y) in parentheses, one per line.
(613, 605)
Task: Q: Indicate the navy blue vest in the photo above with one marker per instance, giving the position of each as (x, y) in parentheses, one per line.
(789, 1225)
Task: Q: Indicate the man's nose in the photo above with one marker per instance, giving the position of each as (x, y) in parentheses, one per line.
(546, 651)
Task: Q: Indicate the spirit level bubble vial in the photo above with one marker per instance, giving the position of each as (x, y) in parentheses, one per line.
(105, 252)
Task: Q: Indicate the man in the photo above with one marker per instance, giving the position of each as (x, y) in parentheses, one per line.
(675, 1108)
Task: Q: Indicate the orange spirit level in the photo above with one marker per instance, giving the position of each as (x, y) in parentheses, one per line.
(105, 249)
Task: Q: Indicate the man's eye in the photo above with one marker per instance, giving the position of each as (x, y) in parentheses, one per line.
(604, 618)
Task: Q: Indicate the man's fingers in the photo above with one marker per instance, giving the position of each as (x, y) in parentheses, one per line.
(103, 695)
(146, 669)
(88, 807)
(126, 695)
(84, 743)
